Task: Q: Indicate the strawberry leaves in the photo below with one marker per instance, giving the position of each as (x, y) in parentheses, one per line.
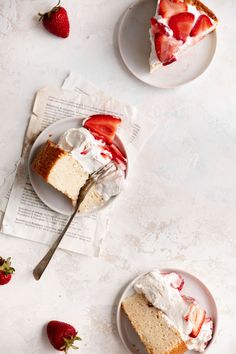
(62, 335)
(6, 270)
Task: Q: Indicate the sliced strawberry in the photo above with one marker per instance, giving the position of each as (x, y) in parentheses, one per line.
(199, 317)
(158, 27)
(189, 299)
(168, 62)
(168, 8)
(166, 47)
(190, 312)
(202, 24)
(154, 25)
(178, 282)
(117, 156)
(104, 125)
(84, 152)
(196, 315)
(96, 136)
(181, 25)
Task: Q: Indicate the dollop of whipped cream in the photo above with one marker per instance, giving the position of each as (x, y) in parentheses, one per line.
(162, 295)
(85, 148)
(92, 155)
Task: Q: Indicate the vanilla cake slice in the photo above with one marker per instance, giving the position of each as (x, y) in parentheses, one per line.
(152, 327)
(166, 320)
(58, 168)
(80, 152)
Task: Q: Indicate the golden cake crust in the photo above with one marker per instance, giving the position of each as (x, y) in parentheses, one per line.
(139, 312)
(202, 7)
(49, 154)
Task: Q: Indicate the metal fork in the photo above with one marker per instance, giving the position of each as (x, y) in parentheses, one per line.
(93, 179)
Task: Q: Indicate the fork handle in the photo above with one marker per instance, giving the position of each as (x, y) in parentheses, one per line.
(42, 265)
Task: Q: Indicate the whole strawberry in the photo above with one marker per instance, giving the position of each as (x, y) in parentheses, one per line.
(56, 21)
(62, 335)
(6, 270)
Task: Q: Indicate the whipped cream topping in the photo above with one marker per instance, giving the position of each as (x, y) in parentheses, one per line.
(153, 60)
(90, 153)
(159, 292)
(112, 185)
(85, 148)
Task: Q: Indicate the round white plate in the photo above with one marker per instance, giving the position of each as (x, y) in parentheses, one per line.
(54, 199)
(192, 287)
(134, 44)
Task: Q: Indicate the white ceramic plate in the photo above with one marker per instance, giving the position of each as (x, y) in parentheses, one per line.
(54, 199)
(134, 45)
(192, 287)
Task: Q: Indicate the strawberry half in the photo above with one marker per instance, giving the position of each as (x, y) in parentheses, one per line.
(166, 47)
(104, 125)
(168, 8)
(158, 27)
(56, 21)
(62, 335)
(181, 25)
(196, 315)
(117, 156)
(202, 24)
(6, 270)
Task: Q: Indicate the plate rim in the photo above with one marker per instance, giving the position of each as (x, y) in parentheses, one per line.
(131, 283)
(122, 21)
(30, 172)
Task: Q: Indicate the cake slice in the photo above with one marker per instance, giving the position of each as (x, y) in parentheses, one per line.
(152, 327)
(58, 168)
(79, 152)
(167, 321)
(176, 26)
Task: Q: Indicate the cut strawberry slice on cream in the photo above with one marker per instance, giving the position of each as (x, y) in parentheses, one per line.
(177, 281)
(176, 26)
(196, 316)
(181, 25)
(103, 125)
(189, 299)
(158, 27)
(166, 48)
(168, 8)
(202, 25)
(117, 156)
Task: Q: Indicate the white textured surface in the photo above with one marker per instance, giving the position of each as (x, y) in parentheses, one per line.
(179, 209)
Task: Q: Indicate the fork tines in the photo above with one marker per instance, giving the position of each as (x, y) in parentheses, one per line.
(103, 171)
(93, 179)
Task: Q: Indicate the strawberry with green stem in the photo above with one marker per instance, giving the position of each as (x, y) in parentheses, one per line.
(56, 21)
(62, 335)
(6, 270)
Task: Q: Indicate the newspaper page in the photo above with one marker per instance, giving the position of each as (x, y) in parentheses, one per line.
(26, 215)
